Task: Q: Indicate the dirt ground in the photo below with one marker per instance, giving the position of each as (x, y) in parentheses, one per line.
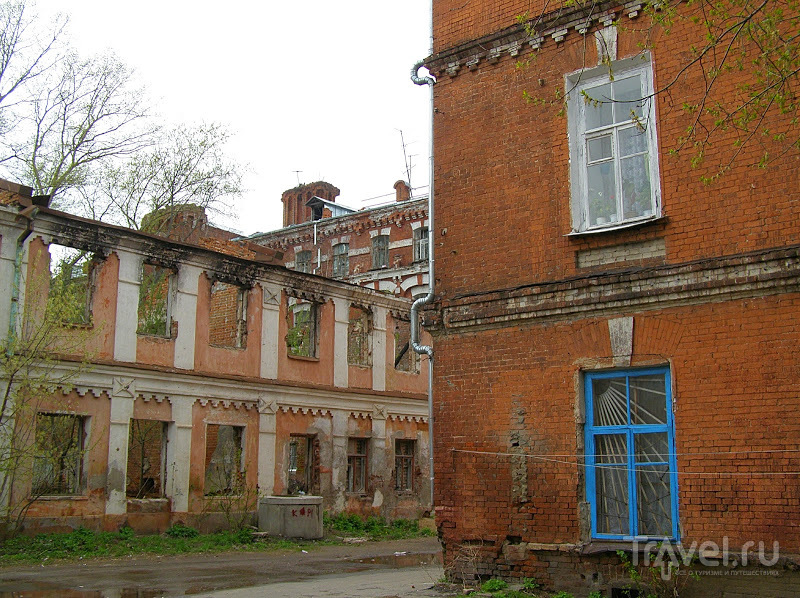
(395, 568)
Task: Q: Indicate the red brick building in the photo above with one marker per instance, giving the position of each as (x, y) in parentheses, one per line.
(615, 341)
(383, 247)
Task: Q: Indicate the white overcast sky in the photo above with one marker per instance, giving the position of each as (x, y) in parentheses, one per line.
(312, 85)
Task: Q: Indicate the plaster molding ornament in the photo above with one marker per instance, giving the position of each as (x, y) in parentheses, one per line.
(379, 411)
(123, 387)
(269, 297)
(267, 407)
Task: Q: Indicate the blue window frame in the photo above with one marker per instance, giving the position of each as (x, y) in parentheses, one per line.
(631, 479)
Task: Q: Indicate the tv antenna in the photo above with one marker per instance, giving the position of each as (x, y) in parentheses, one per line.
(405, 159)
(297, 174)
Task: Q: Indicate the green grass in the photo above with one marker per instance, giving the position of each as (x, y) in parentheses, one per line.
(84, 543)
(375, 528)
(179, 539)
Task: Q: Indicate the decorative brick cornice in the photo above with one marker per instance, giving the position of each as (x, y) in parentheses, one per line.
(702, 281)
(550, 28)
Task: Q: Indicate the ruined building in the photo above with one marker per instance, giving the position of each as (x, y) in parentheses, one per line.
(169, 381)
(615, 341)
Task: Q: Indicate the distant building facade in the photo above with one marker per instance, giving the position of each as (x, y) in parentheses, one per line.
(383, 248)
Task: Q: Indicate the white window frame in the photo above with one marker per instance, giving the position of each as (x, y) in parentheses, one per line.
(578, 86)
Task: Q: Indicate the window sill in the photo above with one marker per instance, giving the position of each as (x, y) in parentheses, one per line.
(302, 357)
(360, 366)
(616, 226)
(227, 347)
(599, 546)
(52, 497)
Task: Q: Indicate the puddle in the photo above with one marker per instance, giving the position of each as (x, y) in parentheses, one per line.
(37, 592)
(399, 560)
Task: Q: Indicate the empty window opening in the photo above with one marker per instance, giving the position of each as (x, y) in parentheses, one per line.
(380, 251)
(303, 465)
(302, 261)
(155, 301)
(405, 359)
(227, 326)
(71, 285)
(358, 337)
(146, 459)
(404, 465)
(224, 460)
(341, 260)
(421, 244)
(301, 337)
(357, 464)
(58, 462)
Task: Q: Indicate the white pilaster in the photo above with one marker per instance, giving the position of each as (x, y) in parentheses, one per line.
(130, 271)
(179, 450)
(379, 315)
(185, 313)
(341, 376)
(8, 255)
(270, 327)
(123, 394)
(378, 465)
(339, 461)
(267, 410)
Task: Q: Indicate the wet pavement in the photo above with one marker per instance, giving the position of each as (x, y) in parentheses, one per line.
(399, 568)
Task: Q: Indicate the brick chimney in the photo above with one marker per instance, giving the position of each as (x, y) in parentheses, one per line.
(402, 191)
(295, 210)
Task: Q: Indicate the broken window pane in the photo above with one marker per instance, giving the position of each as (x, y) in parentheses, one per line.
(58, 462)
(380, 251)
(404, 465)
(146, 462)
(358, 337)
(155, 298)
(302, 261)
(357, 465)
(303, 465)
(341, 260)
(224, 460)
(301, 337)
(228, 316)
(71, 283)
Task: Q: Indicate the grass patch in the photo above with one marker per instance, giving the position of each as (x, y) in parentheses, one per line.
(375, 528)
(84, 543)
(180, 539)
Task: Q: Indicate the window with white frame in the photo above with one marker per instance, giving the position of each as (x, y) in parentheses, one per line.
(421, 244)
(631, 479)
(357, 453)
(613, 146)
(341, 259)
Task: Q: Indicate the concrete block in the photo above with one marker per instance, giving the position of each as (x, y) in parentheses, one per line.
(291, 516)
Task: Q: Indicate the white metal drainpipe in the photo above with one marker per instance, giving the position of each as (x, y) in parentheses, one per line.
(415, 344)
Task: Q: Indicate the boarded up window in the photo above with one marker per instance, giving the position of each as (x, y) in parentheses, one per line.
(228, 315)
(303, 465)
(357, 464)
(146, 459)
(301, 337)
(58, 462)
(358, 337)
(155, 300)
(404, 465)
(224, 460)
(404, 357)
(71, 285)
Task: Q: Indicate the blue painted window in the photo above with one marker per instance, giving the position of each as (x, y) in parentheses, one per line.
(631, 480)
